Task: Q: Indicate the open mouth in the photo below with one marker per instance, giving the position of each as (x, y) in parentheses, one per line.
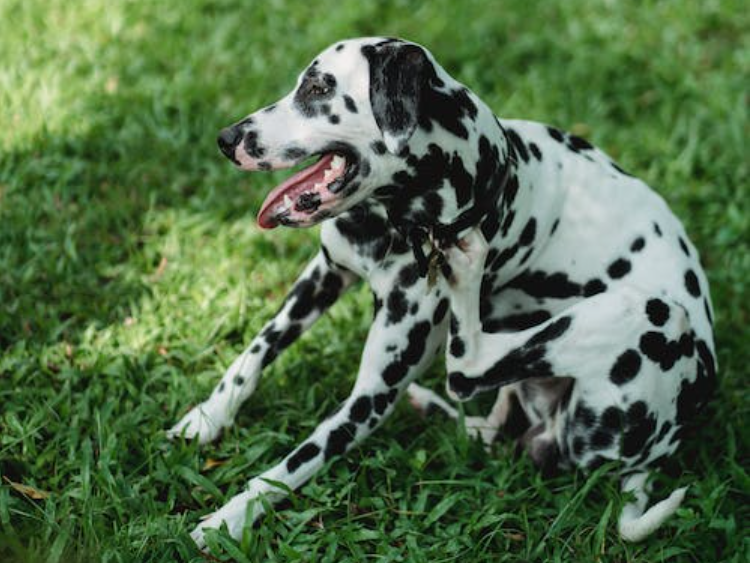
(308, 196)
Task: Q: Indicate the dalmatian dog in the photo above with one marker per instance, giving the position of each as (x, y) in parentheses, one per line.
(546, 272)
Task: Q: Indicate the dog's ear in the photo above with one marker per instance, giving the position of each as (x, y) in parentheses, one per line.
(397, 73)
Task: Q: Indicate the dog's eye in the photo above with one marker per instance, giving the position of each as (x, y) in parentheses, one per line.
(319, 90)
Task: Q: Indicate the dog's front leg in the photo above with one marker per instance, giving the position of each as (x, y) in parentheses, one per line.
(315, 290)
(398, 348)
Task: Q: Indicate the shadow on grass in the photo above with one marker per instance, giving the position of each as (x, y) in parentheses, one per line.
(74, 217)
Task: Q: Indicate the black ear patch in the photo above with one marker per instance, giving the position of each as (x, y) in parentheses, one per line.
(397, 73)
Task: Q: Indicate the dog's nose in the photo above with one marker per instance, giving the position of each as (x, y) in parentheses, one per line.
(229, 138)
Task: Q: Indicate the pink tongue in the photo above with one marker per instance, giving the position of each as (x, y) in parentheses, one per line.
(302, 181)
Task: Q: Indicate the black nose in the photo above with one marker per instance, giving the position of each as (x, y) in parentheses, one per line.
(229, 138)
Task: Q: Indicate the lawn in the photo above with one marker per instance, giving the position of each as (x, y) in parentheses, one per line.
(132, 273)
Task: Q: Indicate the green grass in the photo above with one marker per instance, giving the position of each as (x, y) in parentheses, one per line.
(131, 274)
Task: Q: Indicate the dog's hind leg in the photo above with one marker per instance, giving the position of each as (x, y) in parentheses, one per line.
(483, 427)
(395, 353)
(315, 290)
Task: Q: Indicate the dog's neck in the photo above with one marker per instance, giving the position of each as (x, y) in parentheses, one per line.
(441, 195)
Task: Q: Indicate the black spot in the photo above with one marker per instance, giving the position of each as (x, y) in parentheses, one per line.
(518, 145)
(664, 430)
(594, 287)
(528, 233)
(612, 418)
(303, 294)
(584, 416)
(410, 356)
(657, 311)
(251, 145)
(684, 246)
(626, 367)
(408, 276)
(551, 332)
(417, 339)
(339, 439)
(349, 103)
(304, 453)
(556, 134)
(377, 303)
(454, 325)
(290, 335)
(369, 232)
(457, 347)
(554, 226)
(334, 118)
(264, 165)
(238, 380)
(256, 348)
(461, 180)
(446, 108)
(662, 351)
(620, 170)
(638, 244)
(578, 144)
(691, 284)
(381, 402)
(339, 47)
(694, 395)
(330, 289)
(640, 426)
(520, 321)
(619, 268)
(657, 229)
(440, 311)
(601, 439)
(460, 384)
(361, 409)
(707, 309)
(535, 151)
(504, 257)
(542, 284)
(222, 386)
(397, 306)
(378, 147)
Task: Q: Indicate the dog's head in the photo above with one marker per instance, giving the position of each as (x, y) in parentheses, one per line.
(354, 110)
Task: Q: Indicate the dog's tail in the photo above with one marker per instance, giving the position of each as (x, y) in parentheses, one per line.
(635, 521)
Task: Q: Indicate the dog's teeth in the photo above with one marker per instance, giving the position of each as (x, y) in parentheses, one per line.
(327, 175)
(319, 186)
(337, 162)
(287, 200)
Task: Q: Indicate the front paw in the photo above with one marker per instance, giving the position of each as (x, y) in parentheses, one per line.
(198, 424)
(241, 510)
(234, 514)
